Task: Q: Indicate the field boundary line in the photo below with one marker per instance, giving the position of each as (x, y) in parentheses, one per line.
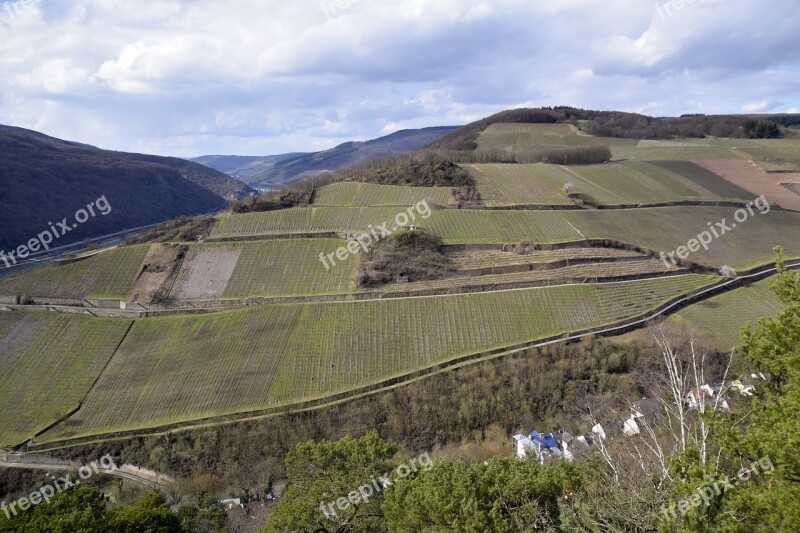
(88, 391)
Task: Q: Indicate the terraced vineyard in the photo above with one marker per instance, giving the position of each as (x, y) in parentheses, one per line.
(49, 362)
(721, 318)
(577, 273)
(524, 139)
(474, 259)
(454, 226)
(628, 182)
(107, 275)
(507, 184)
(349, 194)
(657, 229)
(183, 368)
(664, 229)
(276, 267)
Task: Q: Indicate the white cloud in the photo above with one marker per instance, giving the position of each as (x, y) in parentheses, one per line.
(760, 107)
(189, 77)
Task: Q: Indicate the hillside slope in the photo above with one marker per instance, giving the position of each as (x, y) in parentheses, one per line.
(276, 170)
(44, 179)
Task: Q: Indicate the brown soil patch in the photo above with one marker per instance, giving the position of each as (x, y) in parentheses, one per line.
(750, 176)
(159, 264)
(794, 187)
(205, 272)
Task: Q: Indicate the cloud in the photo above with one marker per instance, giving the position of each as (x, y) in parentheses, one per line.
(184, 77)
(760, 107)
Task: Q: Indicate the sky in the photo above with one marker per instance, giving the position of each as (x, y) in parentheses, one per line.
(247, 77)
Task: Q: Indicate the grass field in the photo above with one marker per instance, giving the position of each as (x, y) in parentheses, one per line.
(108, 275)
(183, 368)
(274, 267)
(720, 319)
(49, 362)
(350, 194)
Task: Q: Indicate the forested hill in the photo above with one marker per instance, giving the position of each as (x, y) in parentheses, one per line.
(277, 170)
(44, 179)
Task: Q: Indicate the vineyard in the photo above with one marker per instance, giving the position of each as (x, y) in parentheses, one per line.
(275, 267)
(184, 368)
(747, 175)
(628, 182)
(722, 317)
(657, 229)
(473, 259)
(507, 184)
(107, 275)
(577, 273)
(664, 229)
(49, 363)
(350, 194)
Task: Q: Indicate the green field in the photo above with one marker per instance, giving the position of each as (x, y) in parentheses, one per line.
(107, 275)
(350, 194)
(720, 319)
(273, 267)
(628, 182)
(184, 368)
(49, 362)
(658, 229)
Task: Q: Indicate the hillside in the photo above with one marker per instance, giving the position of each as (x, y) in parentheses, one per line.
(277, 170)
(382, 277)
(44, 179)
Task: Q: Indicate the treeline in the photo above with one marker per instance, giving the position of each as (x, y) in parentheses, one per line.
(634, 126)
(621, 124)
(419, 169)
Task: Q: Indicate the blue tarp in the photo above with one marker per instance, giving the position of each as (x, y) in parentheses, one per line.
(547, 439)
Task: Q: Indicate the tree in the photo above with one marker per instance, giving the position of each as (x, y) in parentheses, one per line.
(758, 442)
(324, 473)
(503, 494)
(150, 513)
(84, 509)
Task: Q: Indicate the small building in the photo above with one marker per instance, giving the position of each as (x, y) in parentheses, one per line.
(697, 399)
(232, 503)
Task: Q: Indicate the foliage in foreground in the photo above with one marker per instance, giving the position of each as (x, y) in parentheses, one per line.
(764, 432)
(86, 509)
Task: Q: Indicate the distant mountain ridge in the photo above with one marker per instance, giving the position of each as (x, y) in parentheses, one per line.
(44, 179)
(277, 170)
